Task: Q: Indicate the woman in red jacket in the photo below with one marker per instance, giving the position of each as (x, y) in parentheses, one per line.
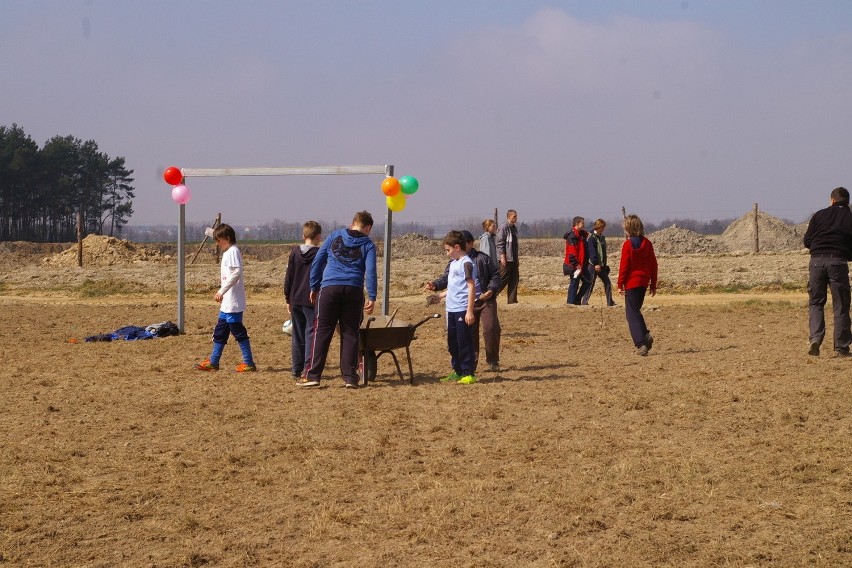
(636, 273)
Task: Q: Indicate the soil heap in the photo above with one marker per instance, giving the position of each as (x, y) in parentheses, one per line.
(24, 252)
(414, 244)
(678, 240)
(99, 250)
(773, 234)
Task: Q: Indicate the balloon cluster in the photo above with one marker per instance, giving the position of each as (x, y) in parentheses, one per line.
(398, 190)
(180, 193)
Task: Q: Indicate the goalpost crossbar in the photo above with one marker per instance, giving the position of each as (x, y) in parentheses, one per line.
(386, 170)
(291, 171)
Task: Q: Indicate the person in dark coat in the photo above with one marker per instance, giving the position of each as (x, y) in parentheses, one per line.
(829, 238)
(485, 306)
(297, 295)
(598, 267)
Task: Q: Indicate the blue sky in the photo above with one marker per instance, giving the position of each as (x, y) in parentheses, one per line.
(671, 109)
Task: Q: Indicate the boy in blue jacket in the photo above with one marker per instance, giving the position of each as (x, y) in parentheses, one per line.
(344, 261)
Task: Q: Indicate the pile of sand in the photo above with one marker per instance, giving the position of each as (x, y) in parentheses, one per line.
(24, 252)
(774, 235)
(99, 250)
(414, 244)
(677, 240)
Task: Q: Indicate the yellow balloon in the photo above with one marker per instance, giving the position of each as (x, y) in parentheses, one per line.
(396, 203)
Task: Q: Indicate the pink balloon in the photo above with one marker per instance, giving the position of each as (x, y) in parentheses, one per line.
(181, 194)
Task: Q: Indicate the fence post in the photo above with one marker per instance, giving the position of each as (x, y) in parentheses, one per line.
(756, 235)
(80, 238)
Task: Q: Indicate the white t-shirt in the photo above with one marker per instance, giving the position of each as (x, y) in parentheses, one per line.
(460, 271)
(232, 288)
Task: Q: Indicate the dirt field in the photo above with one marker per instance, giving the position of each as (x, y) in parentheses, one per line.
(726, 446)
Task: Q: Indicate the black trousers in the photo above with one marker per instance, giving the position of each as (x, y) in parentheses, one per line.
(509, 279)
(343, 306)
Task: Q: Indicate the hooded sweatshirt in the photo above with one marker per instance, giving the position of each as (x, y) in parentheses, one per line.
(638, 266)
(575, 247)
(297, 289)
(346, 258)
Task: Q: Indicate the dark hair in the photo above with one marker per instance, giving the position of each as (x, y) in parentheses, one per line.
(454, 238)
(840, 195)
(577, 219)
(226, 232)
(363, 218)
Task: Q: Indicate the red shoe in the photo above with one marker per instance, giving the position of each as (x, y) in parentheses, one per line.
(206, 365)
(245, 368)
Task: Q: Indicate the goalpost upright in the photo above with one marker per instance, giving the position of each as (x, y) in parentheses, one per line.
(386, 170)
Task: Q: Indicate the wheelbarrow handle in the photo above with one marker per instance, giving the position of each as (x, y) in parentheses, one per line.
(424, 320)
(369, 321)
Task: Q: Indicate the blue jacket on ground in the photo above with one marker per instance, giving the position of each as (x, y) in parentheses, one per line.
(346, 258)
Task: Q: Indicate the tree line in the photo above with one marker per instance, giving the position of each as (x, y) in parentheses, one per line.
(44, 190)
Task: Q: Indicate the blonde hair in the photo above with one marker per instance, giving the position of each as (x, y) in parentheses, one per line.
(486, 225)
(311, 230)
(633, 226)
(599, 224)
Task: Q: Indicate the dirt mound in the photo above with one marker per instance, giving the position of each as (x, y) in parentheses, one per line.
(677, 240)
(99, 250)
(415, 244)
(774, 235)
(24, 252)
(541, 247)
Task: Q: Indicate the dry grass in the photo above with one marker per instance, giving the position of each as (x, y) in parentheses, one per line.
(726, 446)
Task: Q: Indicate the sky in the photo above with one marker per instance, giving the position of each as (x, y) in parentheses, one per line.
(671, 109)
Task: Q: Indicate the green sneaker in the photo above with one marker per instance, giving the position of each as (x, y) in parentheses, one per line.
(467, 380)
(451, 378)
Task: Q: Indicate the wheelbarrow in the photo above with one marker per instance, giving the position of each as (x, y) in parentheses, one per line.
(380, 335)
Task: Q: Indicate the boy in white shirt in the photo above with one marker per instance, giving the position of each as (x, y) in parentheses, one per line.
(460, 297)
(232, 297)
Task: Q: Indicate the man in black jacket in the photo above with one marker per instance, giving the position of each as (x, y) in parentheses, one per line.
(829, 238)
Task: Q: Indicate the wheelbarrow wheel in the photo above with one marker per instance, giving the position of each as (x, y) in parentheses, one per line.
(371, 366)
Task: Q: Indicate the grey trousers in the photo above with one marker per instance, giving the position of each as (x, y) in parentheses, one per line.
(827, 273)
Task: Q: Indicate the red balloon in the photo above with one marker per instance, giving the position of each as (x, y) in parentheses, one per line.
(172, 175)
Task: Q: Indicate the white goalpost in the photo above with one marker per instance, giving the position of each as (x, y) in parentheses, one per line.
(386, 170)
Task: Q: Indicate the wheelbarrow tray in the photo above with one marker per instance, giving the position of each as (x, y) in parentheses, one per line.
(382, 334)
(377, 337)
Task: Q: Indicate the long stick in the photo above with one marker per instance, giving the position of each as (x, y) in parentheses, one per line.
(393, 315)
(201, 246)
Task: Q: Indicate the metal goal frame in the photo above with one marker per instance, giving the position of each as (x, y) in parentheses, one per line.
(386, 170)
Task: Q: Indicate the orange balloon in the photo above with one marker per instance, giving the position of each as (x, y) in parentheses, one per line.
(390, 186)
